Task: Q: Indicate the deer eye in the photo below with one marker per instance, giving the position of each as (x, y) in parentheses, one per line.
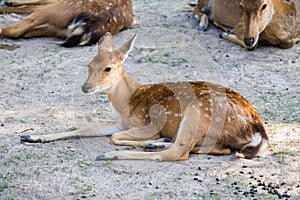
(107, 69)
(263, 7)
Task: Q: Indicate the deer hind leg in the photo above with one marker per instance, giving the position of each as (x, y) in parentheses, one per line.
(184, 143)
(159, 145)
(27, 2)
(142, 137)
(18, 29)
(94, 131)
(21, 10)
(45, 31)
(135, 137)
(212, 150)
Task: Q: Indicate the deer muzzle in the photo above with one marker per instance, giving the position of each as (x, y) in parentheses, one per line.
(249, 42)
(86, 88)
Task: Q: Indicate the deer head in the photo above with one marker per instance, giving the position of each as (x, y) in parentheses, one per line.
(106, 68)
(257, 15)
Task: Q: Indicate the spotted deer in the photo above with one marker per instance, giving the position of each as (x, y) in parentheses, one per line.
(169, 120)
(79, 22)
(248, 22)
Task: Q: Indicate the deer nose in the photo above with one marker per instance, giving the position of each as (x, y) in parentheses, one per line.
(86, 87)
(249, 41)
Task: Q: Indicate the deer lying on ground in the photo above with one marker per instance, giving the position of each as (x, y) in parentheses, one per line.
(80, 22)
(170, 120)
(246, 22)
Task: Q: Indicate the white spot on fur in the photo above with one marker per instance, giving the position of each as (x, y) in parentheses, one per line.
(243, 119)
(235, 107)
(206, 115)
(178, 115)
(200, 104)
(168, 113)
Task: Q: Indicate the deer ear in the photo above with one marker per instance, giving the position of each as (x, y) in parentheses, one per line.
(127, 47)
(105, 43)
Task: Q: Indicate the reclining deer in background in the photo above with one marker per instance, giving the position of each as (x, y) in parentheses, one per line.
(246, 22)
(80, 22)
(198, 117)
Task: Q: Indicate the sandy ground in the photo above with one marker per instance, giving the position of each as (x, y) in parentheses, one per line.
(41, 93)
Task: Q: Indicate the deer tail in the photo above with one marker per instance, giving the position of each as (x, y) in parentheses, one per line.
(259, 142)
(82, 31)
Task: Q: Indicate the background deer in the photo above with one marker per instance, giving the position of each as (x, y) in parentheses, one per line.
(80, 22)
(246, 22)
(169, 120)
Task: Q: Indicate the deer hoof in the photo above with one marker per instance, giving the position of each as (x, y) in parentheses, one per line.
(29, 138)
(221, 35)
(104, 157)
(8, 3)
(154, 148)
(165, 140)
(201, 28)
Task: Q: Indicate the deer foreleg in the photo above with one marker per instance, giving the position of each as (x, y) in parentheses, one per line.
(94, 131)
(234, 39)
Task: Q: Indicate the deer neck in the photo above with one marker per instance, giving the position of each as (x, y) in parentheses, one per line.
(119, 95)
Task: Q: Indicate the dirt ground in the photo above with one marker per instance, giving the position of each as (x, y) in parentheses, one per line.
(41, 93)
